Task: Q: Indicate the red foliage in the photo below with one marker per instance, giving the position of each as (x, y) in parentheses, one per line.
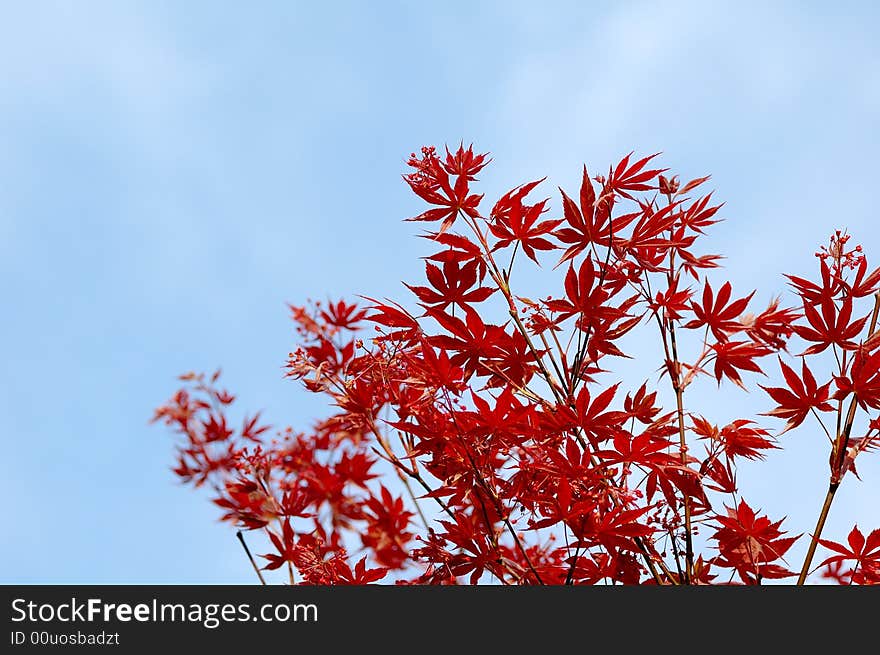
(463, 448)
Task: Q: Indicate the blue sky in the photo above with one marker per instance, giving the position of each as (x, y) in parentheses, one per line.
(171, 174)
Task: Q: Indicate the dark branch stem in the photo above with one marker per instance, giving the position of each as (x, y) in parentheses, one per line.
(820, 525)
(838, 460)
(250, 557)
(679, 402)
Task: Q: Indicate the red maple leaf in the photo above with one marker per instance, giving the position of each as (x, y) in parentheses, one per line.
(632, 177)
(831, 327)
(802, 396)
(361, 575)
(514, 221)
(740, 438)
(455, 284)
(863, 380)
(863, 552)
(717, 314)
(751, 544)
(430, 181)
(734, 356)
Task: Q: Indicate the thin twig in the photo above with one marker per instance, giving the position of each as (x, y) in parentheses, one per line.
(250, 557)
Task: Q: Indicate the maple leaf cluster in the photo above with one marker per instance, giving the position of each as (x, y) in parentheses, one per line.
(480, 436)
